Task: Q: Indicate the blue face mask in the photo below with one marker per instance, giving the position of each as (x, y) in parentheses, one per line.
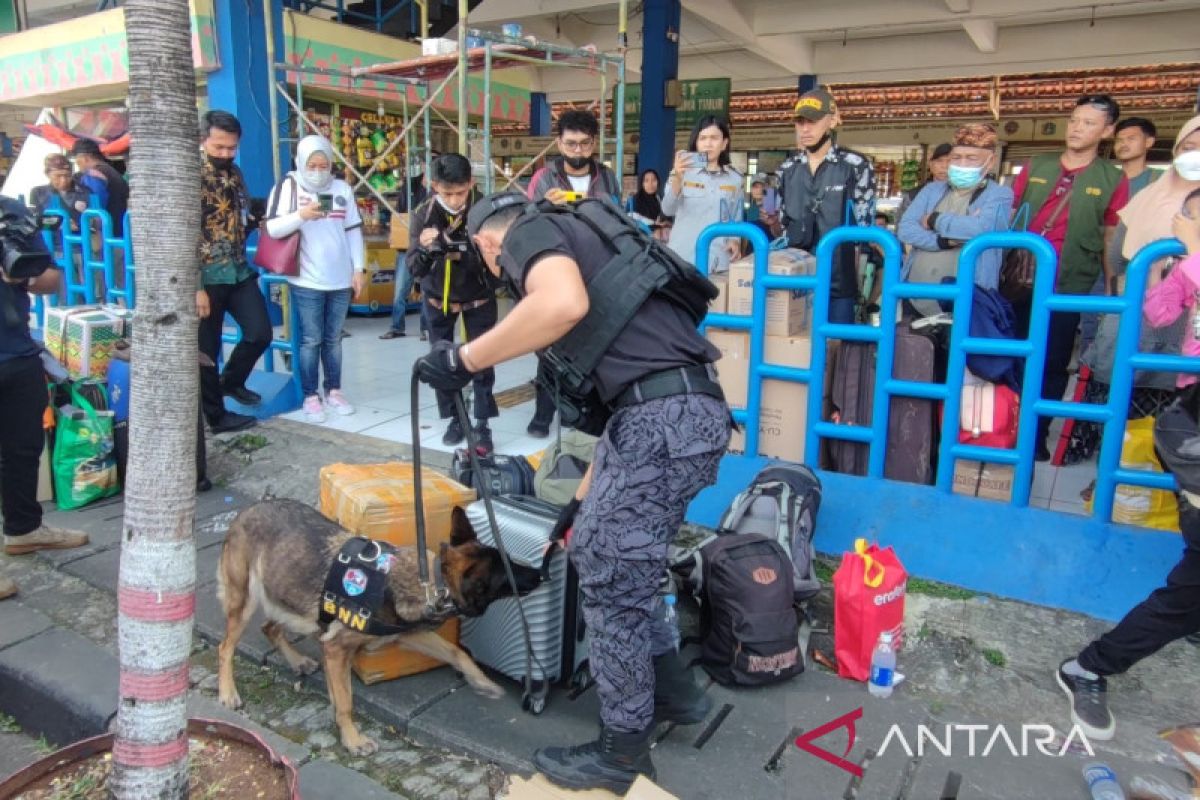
(964, 177)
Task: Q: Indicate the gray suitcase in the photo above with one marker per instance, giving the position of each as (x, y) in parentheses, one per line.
(553, 610)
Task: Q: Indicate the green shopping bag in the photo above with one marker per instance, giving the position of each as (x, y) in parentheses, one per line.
(84, 466)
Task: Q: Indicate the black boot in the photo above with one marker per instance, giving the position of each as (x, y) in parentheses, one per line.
(611, 762)
(454, 433)
(677, 698)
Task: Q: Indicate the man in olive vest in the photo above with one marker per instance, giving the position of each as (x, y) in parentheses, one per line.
(1073, 201)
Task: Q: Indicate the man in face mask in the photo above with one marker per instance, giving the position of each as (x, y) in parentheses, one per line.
(455, 280)
(945, 215)
(822, 187)
(227, 282)
(574, 175)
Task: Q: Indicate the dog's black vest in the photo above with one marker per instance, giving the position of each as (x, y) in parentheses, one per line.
(356, 585)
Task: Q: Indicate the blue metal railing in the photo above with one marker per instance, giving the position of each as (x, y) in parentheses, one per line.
(338, 7)
(73, 250)
(1112, 414)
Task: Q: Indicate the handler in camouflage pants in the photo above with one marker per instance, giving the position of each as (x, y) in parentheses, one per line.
(652, 460)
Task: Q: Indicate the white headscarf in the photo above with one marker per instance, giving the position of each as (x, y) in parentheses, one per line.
(306, 149)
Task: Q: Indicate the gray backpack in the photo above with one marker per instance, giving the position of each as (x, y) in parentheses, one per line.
(562, 467)
(781, 503)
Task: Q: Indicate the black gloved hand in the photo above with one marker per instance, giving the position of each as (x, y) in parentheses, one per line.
(566, 518)
(442, 368)
(558, 534)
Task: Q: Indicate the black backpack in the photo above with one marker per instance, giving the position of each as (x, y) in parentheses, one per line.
(749, 624)
(781, 503)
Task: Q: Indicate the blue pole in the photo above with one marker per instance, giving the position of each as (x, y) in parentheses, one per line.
(1124, 366)
(660, 63)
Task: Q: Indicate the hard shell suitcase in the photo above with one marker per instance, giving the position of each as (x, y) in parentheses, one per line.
(505, 475)
(911, 430)
(553, 610)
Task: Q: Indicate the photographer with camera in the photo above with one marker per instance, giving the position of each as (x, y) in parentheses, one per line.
(24, 268)
(454, 280)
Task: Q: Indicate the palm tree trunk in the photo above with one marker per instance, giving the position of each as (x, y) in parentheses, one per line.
(157, 588)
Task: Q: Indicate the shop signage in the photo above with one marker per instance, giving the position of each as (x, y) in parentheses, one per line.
(697, 99)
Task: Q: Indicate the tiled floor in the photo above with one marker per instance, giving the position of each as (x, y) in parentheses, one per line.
(377, 378)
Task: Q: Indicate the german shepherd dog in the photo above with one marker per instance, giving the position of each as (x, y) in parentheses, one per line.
(277, 554)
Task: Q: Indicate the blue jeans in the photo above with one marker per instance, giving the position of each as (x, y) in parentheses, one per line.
(322, 315)
(841, 310)
(404, 282)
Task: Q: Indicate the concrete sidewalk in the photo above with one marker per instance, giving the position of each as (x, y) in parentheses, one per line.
(969, 660)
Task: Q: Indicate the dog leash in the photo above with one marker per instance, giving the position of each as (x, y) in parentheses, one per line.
(431, 594)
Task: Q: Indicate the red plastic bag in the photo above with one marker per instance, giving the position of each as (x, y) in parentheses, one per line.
(868, 598)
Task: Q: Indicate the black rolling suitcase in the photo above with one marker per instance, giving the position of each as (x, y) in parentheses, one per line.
(911, 435)
(553, 610)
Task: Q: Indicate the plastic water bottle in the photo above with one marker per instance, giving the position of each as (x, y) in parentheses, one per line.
(883, 667)
(1102, 781)
(671, 619)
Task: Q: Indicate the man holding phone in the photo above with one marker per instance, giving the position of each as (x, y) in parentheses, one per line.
(574, 175)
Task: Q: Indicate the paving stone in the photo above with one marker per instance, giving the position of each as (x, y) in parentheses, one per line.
(59, 685)
(398, 701)
(325, 780)
(17, 751)
(202, 707)
(19, 622)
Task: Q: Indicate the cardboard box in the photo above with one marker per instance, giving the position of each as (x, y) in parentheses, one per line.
(82, 338)
(788, 313)
(391, 661)
(398, 232)
(784, 408)
(376, 500)
(980, 479)
(721, 304)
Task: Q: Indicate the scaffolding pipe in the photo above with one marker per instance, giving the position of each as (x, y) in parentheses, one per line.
(619, 99)
(487, 116)
(463, 63)
(273, 105)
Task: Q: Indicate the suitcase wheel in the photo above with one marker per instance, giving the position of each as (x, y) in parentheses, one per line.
(535, 701)
(581, 678)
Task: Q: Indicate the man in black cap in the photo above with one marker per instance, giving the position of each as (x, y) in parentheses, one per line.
(91, 164)
(823, 187)
(668, 428)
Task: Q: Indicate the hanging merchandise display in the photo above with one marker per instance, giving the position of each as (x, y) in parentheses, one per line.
(910, 175)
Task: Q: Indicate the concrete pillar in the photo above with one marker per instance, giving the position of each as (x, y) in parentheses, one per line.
(660, 63)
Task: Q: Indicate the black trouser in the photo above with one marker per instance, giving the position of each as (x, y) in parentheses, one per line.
(478, 321)
(544, 411)
(1169, 613)
(245, 303)
(23, 398)
(1060, 344)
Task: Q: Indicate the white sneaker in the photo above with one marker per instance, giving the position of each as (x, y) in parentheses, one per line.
(338, 402)
(314, 409)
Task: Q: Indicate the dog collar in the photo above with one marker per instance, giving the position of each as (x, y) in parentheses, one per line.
(440, 603)
(356, 585)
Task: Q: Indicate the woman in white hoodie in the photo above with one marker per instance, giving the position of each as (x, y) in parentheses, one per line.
(331, 260)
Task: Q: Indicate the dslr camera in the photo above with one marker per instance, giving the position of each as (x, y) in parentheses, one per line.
(23, 253)
(453, 249)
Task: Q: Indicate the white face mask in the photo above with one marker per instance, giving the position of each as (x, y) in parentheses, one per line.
(318, 178)
(454, 212)
(1188, 165)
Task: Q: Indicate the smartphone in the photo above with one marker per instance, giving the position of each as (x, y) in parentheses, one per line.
(325, 202)
(770, 203)
(699, 160)
(572, 197)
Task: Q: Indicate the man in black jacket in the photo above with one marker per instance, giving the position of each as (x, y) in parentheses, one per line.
(454, 280)
(822, 187)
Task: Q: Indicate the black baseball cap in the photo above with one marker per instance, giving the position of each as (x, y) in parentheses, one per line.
(814, 105)
(483, 210)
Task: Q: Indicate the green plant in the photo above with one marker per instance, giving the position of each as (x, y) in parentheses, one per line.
(994, 657)
(248, 442)
(8, 724)
(43, 746)
(935, 589)
(823, 570)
